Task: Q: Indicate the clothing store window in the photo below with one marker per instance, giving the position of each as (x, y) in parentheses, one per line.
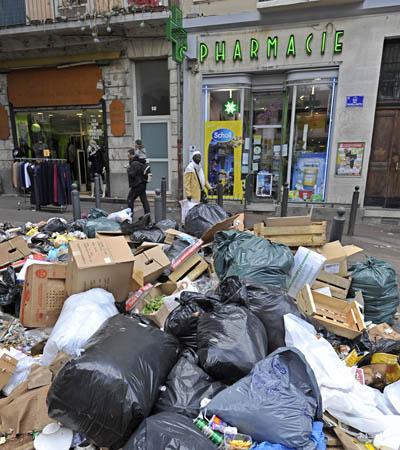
(62, 134)
(152, 86)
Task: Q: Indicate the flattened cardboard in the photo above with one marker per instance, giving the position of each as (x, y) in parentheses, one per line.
(43, 295)
(108, 234)
(235, 222)
(191, 268)
(336, 257)
(8, 365)
(13, 250)
(24, 410)
(148, 266)
(100, 263)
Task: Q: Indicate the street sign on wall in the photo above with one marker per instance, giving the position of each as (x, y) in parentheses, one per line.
(356, 101)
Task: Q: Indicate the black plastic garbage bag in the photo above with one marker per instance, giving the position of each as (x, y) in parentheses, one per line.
(182, 321)
(247, 256)
(377, 281)
(10, 292)
(78, 225)
(168, 431)
(107, 392)
(55, 225)
(151, 234)
(202, 217)
(268, 303)
(100, 224)
(97, 213)
(277, 402)
(167, 224)
(143, 222)
(187, 384)
(230, 340)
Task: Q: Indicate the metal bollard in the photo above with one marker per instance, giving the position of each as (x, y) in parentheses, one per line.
(220, 194)
(163, 198)
(97, 189)
(337, 225)
(353, 211)
(76, 202)
(285, 198)
(158, 206)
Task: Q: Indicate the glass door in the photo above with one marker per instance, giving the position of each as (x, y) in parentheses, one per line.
(267, 148)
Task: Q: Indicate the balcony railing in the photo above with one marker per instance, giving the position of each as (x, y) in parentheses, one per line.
(296, 4)
(32, 12)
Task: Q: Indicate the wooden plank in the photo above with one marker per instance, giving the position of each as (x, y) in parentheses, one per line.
(334, 280)
(287, 221)
(297, 241)
(315, 228)
(336, 291)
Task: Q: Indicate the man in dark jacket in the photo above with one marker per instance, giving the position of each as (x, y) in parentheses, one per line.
(138, 176)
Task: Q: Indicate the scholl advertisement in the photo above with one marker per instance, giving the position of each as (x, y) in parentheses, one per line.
(223, 156)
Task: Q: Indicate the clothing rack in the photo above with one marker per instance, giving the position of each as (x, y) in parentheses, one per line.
(61, 208)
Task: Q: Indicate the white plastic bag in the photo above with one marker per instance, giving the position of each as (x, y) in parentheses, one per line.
(361, 407)
(21, 372)
(186, 205)
(388, 440)
(81, 316)
(121, 216)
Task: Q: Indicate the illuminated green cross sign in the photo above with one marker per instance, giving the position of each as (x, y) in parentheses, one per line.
(177, 35)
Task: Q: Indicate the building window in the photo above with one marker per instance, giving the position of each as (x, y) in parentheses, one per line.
(389, 85)
(152, 86)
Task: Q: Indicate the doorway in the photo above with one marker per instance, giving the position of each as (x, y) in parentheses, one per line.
(383, 182)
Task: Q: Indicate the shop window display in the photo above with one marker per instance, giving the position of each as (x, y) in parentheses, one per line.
(62, 134)
(310, 146)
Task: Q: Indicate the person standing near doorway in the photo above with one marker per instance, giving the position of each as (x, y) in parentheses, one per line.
(195, 181)
(139, 174)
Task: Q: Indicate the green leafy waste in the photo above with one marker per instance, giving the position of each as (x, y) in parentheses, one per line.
(153, 305)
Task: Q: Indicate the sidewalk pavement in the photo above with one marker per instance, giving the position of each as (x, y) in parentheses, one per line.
(381, 241)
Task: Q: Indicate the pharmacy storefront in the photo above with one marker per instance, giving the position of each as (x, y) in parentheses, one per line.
(265, 109)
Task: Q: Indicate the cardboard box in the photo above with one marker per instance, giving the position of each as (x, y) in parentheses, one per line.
(8, 365)
(307, 265)
(160, 316)
(108, 234)
(340, 317)
(148, 266)
(336, 257)
(100, 263)
(43, 295)
(13, 250)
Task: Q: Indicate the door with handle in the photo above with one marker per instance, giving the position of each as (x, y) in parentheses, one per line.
(383, 183)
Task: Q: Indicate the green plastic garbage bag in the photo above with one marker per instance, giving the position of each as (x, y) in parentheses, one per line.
(247, 256)
(100, 224)
(377, 281)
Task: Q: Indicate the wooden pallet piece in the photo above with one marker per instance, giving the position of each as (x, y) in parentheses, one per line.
(339, 286)
(191, 268)
(313, 235)
(337, 316)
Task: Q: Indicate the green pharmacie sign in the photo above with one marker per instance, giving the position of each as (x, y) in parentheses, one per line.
(269, 48)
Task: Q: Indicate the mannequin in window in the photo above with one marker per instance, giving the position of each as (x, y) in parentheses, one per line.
(97, 164)
(72, 157)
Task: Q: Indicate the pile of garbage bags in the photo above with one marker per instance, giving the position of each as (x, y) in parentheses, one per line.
(221, 357)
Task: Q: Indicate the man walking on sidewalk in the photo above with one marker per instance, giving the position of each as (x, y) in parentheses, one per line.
(138, 175)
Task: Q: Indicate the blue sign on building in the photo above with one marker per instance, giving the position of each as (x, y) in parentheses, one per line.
(355, 101)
